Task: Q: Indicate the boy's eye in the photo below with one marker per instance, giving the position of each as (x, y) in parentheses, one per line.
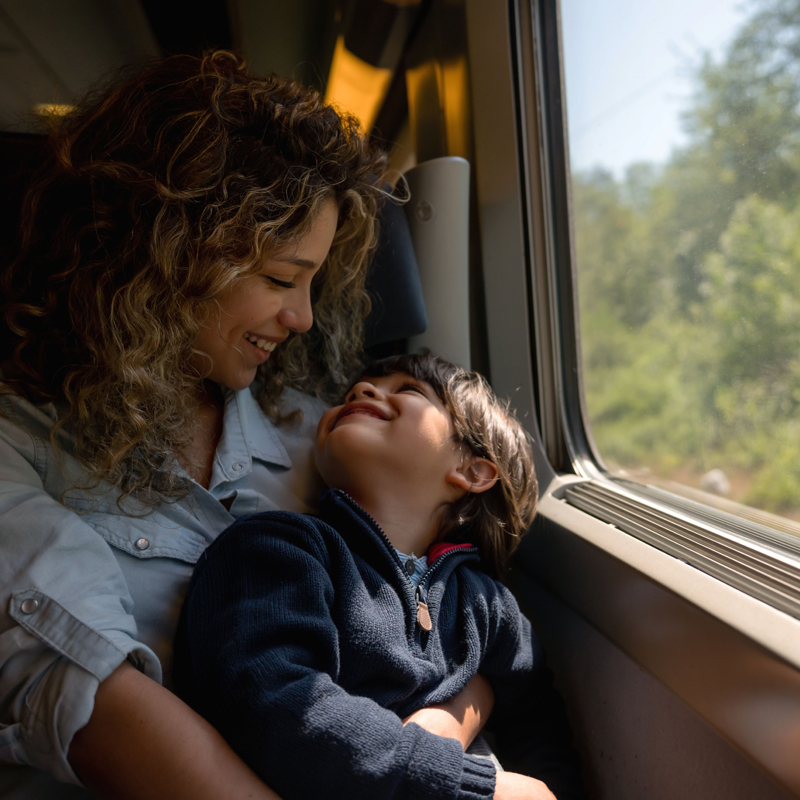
(411, 387)
(282, 284)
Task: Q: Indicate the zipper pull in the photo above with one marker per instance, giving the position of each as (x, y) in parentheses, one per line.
(423, 615)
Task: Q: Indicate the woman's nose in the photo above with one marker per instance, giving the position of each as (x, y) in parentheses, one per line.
(363, 389)
(296, 313)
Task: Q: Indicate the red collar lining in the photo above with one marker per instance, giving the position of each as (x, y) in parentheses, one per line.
(440, 548)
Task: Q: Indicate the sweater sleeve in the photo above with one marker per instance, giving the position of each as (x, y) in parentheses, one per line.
(529, 719)
(263, 655)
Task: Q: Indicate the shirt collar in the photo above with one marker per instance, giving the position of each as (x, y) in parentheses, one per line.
(247, 433)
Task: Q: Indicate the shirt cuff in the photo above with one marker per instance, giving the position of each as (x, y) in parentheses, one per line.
(98, 653)
(438, 768)
(56, 709)
(58, 663)
(478, 778)
(58, 706)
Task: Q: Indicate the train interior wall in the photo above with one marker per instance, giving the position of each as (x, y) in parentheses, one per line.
(636, 738)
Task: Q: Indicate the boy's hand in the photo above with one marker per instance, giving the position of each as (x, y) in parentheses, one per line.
(513, 786)
(461, 717)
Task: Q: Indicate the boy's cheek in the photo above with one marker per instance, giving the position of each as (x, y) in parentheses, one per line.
(344, 451)
(327, 465)
(325, 423)
(323, 429)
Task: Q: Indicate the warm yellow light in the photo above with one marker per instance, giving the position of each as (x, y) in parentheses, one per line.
(356, 86)
(52, 109)
(455, 84)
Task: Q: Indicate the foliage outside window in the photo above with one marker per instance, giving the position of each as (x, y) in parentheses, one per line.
(689, 275)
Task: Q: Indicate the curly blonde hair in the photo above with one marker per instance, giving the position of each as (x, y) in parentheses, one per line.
(159, 193)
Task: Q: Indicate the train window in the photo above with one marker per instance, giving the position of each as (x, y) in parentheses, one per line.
(684, 161)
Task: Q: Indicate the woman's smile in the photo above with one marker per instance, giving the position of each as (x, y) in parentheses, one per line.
(259, 311)
(261, 343)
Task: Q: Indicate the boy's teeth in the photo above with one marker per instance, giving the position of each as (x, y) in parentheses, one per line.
(262, 343)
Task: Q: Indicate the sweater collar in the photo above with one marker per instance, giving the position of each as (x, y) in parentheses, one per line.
(338, 509)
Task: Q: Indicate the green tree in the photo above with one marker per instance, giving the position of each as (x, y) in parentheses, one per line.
(689, 279)
(753, 293)
(753, 311)
(613, 244)
(744, 136)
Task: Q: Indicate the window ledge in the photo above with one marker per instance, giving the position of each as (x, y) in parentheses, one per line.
(732, 657)
(762, 563)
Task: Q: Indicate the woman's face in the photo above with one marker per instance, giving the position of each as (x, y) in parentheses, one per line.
(259, 311)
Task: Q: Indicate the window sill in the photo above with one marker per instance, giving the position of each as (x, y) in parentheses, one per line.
(734, 659)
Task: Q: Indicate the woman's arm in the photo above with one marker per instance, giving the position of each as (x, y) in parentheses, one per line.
(462, 717)
(143, 743)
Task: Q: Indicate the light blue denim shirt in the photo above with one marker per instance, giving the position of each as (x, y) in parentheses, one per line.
(420, 566)
(84, 586)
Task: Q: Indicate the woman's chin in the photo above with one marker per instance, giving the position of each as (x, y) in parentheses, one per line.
(235, 382)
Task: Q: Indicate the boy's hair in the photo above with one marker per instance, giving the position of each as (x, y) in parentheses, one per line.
(501, 515)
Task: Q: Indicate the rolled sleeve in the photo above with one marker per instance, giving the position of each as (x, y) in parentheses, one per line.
(65, 614)
(54, 676)
(55, 700)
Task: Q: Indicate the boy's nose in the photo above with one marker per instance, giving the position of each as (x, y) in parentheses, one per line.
(363, 389)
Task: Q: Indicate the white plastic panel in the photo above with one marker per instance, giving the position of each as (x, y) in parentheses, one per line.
(438, 216)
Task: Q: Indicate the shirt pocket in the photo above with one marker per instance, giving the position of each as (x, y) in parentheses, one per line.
(153, 535)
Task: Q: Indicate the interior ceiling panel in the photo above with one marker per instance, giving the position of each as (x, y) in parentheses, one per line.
(30, 80)
(51, 51)
(292, 37)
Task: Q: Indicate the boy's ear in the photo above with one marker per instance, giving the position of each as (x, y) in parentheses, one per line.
(474, 474)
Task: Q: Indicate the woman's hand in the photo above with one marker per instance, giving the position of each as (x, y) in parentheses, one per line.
(462, 717)
(513, 786)
(143, 743)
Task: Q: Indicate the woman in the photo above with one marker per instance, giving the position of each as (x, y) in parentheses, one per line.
(160, 312)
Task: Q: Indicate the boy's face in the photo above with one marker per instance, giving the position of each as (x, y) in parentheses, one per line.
(391, 429)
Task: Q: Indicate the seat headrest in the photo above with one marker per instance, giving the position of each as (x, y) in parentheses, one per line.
(393, 283)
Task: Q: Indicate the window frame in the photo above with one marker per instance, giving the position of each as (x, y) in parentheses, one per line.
(623, 585)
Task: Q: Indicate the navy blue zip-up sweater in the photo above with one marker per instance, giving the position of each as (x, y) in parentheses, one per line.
(300, 643)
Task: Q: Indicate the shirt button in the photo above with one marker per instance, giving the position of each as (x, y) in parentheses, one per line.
(29, 606)
(142, 544)
(238, 467)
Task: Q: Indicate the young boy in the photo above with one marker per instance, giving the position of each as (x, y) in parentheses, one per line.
(311, 638)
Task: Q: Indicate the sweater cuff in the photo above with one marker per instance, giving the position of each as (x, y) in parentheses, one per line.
(477, 779)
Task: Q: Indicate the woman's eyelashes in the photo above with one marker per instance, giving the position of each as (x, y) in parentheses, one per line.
(282, 284)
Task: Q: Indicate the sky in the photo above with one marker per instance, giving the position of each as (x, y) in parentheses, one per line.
(628, 68)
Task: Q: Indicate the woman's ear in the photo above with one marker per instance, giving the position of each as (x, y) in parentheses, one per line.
(474, 474)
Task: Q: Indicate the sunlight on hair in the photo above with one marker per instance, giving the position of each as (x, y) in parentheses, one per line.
(154, 196)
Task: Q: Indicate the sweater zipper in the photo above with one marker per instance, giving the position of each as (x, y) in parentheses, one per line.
(423, 615)
(423, 611)
(367, 516)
